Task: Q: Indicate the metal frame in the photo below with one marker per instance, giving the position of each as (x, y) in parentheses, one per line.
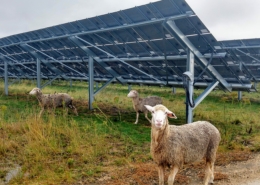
(154, 48)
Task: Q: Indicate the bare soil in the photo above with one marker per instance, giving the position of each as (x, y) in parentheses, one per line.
(236, 168)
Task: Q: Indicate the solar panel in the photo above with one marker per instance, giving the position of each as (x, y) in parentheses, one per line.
(137, 45)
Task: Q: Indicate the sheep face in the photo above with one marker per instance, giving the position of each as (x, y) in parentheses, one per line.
(159, 115)
(34, 91)
(132, 94)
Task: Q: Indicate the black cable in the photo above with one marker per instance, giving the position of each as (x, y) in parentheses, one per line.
(185, 86)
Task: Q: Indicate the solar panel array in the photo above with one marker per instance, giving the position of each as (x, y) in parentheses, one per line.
(246, 51)
(133, 46)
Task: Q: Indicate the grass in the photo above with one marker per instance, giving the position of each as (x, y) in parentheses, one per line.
(61, 149)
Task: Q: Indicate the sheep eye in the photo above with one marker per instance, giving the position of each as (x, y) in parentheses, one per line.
(153, 112)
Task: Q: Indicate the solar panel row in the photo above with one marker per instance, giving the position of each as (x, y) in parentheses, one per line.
(137, 45)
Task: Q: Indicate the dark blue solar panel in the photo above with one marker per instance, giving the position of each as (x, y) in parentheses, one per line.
(136, 36)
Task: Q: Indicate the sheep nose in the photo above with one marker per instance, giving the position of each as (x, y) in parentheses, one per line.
(158, 120)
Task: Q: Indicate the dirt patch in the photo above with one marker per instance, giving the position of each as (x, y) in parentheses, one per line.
(236, 168)
(242, 172)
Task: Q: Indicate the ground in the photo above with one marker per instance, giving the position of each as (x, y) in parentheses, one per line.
(242, 173)
(239, 168)
(231, 168)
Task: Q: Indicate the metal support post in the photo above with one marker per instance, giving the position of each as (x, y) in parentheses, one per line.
(129, 88)
(91, 81)
(239, 95)
(173, 90)
(6, 77)
(190, 68)
(38, 73)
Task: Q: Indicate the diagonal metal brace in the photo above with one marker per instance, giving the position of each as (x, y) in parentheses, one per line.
(36, 55)
(91, 53)
(115, 58)
(171, 27)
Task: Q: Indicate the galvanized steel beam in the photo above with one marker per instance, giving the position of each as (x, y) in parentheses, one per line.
(170, 26)
(6, 78)
(248, 55)
(77, 42)
(181, 16)
(34, 51)
(90, 82)
(103, 86)
(205, 93)
(189, 97)
(38, 73)
(242, 63)
(239, 47)
(116, 58)
(11, 59)
(49, 82)
(8, 72)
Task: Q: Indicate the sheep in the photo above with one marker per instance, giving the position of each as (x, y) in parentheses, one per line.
(138, 103)
(173, 146)
(53, 100)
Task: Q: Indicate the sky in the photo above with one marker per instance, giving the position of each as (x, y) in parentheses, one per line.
(225, 19)
(229, 19)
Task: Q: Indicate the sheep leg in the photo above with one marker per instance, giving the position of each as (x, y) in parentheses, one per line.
(40, 114)
(212, 173)
(53, 110)
(172, 175)
(161, 174)
(146, 116)
(137, 116)
(209, 176)
(75, 111)
(66, 111)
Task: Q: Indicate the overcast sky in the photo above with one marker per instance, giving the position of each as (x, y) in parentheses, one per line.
(225, 19)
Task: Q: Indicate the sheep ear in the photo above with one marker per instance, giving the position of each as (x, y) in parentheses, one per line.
(148, 107)
(170, 114)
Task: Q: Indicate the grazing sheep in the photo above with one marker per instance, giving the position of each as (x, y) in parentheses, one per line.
(53, 100)
(138, 103)
(172, 146)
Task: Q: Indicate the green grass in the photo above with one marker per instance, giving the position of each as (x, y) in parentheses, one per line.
(60, 148)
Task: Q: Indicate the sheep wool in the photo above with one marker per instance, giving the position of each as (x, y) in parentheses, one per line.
(173, 146)
(52, 101)
(138, 103)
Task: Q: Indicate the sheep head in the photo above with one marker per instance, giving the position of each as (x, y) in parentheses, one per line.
(35, 91)
(132, 94)
(159, 115)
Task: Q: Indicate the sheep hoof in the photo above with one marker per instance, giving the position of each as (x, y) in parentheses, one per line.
(211, 180)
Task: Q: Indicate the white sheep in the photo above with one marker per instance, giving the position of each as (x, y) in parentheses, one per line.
(52, 101)
(172, 146)
(138, 103)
